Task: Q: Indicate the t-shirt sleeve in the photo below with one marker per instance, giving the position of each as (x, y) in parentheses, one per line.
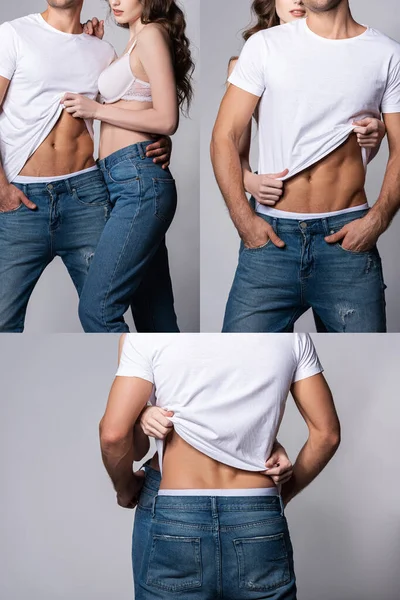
(135, 361)
(308, 363)
(8, 51)
(391, 97)
(249, 72)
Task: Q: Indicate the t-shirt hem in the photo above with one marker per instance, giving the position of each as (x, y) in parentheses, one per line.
(6, 74)
(244, 85)
(128, 372)
(306, 373)
(211, 453)
(390, 108)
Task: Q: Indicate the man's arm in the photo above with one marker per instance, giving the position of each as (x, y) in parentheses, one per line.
(234, 116)
(10, 196)
(315, 403)
(362, 234)
(140, 438)
(127, 398)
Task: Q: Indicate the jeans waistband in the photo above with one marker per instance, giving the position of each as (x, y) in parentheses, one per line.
(218, 503)
(63, 185)
(313, 226)
(135, 151)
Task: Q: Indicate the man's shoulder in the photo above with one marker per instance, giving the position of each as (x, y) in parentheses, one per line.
(100, 45)
(385, 41)
(17, 24)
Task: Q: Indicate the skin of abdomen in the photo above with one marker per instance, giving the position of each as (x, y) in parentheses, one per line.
(334, 183)
(67, 149)
(184, 467)
(114, 138)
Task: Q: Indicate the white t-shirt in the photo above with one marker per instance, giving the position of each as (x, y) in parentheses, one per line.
(313, 88)
(42, 64)
(228, 391)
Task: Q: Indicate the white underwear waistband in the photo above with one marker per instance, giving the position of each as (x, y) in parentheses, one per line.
(24, 179)
(240, 492)
(283, 214)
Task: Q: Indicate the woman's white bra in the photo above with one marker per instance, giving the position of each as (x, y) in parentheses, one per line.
(118, 82)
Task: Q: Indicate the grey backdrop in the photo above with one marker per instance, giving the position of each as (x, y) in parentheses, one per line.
(221, 26)
(62, 536)
(53, 306)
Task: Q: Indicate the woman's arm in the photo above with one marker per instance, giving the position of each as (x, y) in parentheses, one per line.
(154, 53)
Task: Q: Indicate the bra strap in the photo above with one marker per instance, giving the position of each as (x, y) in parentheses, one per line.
(132, 47)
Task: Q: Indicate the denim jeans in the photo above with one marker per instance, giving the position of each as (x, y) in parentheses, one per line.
(209, 548)
(68, 223)
(131, 259)
(274, 286)
(142, 522)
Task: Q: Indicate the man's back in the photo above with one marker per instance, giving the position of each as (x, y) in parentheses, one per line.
(246, 378)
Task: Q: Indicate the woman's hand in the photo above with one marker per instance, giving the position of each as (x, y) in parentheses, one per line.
(370, 132)
(278, 466)
(160, 151)
(154, 422)
(266, 189)
(80, 107)
(94, 27)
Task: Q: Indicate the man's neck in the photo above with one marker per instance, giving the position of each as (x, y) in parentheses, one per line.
(66, 20)
(336, 24)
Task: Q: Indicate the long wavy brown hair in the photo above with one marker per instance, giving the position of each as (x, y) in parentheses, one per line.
(168, 14)
(266, 15)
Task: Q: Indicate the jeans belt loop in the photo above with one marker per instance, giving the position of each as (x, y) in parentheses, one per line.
(153, 507)
(282, 506)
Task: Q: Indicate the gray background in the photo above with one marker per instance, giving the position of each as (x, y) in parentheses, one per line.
(62, 536)
(53, 306)
(221, 26)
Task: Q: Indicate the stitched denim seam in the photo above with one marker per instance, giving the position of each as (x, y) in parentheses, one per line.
(119, 259)
(195, 542)
(240, 559)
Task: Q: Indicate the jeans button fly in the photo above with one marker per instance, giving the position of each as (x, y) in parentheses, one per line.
(50, 187)
(303, 225)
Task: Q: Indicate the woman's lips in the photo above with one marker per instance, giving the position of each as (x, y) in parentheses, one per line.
(117, 13)
(298, 13)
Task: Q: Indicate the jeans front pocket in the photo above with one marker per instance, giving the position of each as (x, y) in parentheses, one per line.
(123, 171)
(165, 198)
(12, 211)
(263, 562)
(175, 563)
(93, 193)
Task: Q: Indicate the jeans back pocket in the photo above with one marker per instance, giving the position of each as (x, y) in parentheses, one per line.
(175, 563)
(263, 562)
(165, 198)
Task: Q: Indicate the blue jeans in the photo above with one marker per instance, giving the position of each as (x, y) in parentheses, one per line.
(274, 286)
(131, 260)
(68, 223)
(211, 547)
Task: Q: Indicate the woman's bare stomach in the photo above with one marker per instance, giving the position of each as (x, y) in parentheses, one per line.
(185, 468)
(67, 149)
(334, 183)
(114, 138)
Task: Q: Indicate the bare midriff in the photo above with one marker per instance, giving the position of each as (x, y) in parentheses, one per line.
(334, 183)
(67, 149)
(186, 468)
(114, 138)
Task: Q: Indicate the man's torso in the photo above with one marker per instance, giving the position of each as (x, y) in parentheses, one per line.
(48, 64)
(314, 89)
